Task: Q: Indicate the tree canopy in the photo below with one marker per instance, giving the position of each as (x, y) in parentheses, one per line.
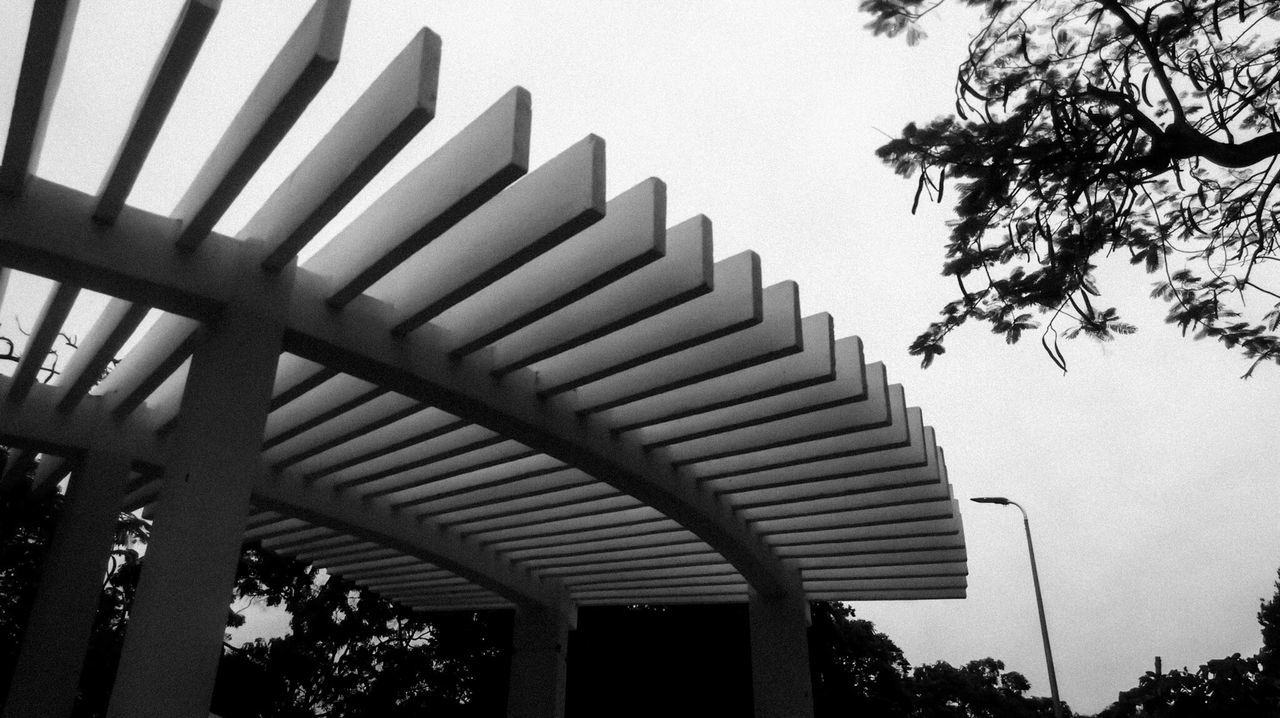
(350, 652)
(1245, 687)
(1147, 129)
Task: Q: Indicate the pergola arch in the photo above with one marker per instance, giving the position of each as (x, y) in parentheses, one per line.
(491, 388)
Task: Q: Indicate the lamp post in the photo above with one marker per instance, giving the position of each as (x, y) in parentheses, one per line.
(1035, 579)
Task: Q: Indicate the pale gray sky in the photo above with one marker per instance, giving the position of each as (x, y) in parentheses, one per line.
(1148, 470)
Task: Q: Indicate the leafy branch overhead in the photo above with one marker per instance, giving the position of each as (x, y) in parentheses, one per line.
(1147, 129)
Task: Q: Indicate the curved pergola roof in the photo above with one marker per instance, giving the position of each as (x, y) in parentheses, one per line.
(497, 387)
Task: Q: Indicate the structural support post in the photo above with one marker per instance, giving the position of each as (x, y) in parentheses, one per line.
(174, 638)
(781, 684)
(538, 642)
(57, 636)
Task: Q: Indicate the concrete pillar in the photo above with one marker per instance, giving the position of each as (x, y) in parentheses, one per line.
(57, 635)
(538, 642)
(174, 638)
(780, 680)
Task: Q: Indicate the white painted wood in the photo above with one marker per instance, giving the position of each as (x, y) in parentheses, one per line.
(180, 609)
(163, 84)
(684, 272)
(905, 583)
(490, 451)
(601, 502)
(679, 434)
(902, 529)
(547, 502)
(551, 204)
(48, 324)
(419, 426)
(509, 493)
(661, 551)
(937, 504)
(848, 428)
(941, 536)
(45, 54)
(118, 321)
(735, 303)
(373, 521)
(395, 106)
(778, 334)
(330, 398)
(420, 454)
(360, 423)
(912, 454)
(168, 344)
(919, 570)
(294, 377)
(464, 484)
(631, 235)
(832, 489)
(779, 388)
(812, 511)
(887, 560)
(472, 167)
(288, 85)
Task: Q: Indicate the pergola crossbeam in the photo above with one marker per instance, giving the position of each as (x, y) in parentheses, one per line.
(491, 388)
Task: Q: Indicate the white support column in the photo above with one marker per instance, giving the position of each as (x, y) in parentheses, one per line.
(57, 635)
(538, 643)
(174, 638)
(780, 680)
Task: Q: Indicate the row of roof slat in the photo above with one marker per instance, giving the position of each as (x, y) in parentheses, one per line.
(497, 386)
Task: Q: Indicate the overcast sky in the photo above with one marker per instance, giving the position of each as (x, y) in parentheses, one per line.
(1148, 469)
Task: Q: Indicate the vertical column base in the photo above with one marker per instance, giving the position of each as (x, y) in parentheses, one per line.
(174, 639)
(780, 680)
(538, 642)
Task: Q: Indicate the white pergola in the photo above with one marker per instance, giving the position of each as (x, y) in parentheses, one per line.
(492, 389)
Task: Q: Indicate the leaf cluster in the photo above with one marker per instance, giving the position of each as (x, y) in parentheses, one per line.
(351, 652)
(1147, 129)
(979, 689)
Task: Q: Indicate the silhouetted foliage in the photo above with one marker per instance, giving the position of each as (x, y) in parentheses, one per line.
(1269, 620)
(1231, 686)
(351, 652)
(29, 523)
(1143, 128)
(856, 669)
(980, 689)
(27, 527)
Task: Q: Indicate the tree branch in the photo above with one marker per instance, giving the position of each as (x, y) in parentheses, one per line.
(1153, 56)
(1126, 105)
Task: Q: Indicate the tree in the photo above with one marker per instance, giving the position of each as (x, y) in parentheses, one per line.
(22, 549)
(1143, 128)
(980, 689)
(1234, 686)
(856, 669)
(1269, 620)
(351, 652)
(1230, 686)
(29, 523)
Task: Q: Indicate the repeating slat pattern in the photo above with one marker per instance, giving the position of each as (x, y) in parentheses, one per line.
(691, 430)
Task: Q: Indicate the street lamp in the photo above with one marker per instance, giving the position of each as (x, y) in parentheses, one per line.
(1035, 579)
